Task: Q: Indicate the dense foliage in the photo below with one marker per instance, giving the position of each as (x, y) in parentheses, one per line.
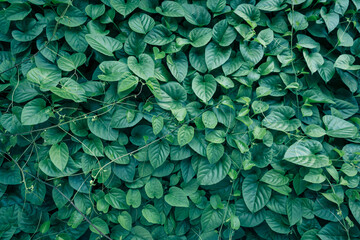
(202, 119)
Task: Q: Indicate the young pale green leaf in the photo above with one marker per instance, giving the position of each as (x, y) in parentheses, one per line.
(199, 37)
(298, 21)
(151, 214)
(313, 60)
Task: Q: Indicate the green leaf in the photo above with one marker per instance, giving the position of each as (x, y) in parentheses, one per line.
(305, 153)
(271, 5)
(345, 62)
(158, 152)
(339, 128)
(103, 44)
(252, 52)
(151, 214)
(70, 89)
(204, 87)
(144, 67)
(211, 218)
(275, 178)
(159, 36)
(313, 130)
(74, 17)
(209, 119)
(209, 174)
(215, 55)
(141, 23)
(71, 62)
(214, 152)
(35, 112)
(332, 231)
(223, 34)
(256, 194)
(327, 71)
(17, 11)
(199, 37)
(265, 37)
(298, 21)
(44, 77)
(313, 60)
(196, 14)
(216, 5)
(170, 9)
(185, 135)
(100, 224)
(280, 119)
(178, 65)
(249, 13)
(125, 220)
(154, 189)
(157, 124)
(59, 155)
(100, 127)
(95, 11)
(177, 197)
(125, 7)
(331, 19)
(117, 153)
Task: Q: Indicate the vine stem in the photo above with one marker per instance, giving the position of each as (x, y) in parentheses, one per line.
(72, 203)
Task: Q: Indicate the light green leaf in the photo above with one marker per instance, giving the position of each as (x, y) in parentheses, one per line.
(125, 7)
(154, 189)
(185, 135)
(214, 152)
(249, 13)
(298, 21)
(144, 67)
(158, 152)
(204, 87)
(70, 89)
(306, 153)
(178, 65)
(177, 197)
(72, 62)
(141, 23)
(345, 62)
(196, 14)
(100, 224)
(313, 60)
(35, 112)
(151, 214)
(280, 119)
(215, 55)
(59, 155)
(103, 44)
(339, 128)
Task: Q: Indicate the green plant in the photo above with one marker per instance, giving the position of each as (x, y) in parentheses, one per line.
(202, 119)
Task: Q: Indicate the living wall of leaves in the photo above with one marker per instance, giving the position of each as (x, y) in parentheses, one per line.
(202, 119)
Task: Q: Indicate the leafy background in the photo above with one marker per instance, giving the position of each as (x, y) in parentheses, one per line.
(147, 119)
